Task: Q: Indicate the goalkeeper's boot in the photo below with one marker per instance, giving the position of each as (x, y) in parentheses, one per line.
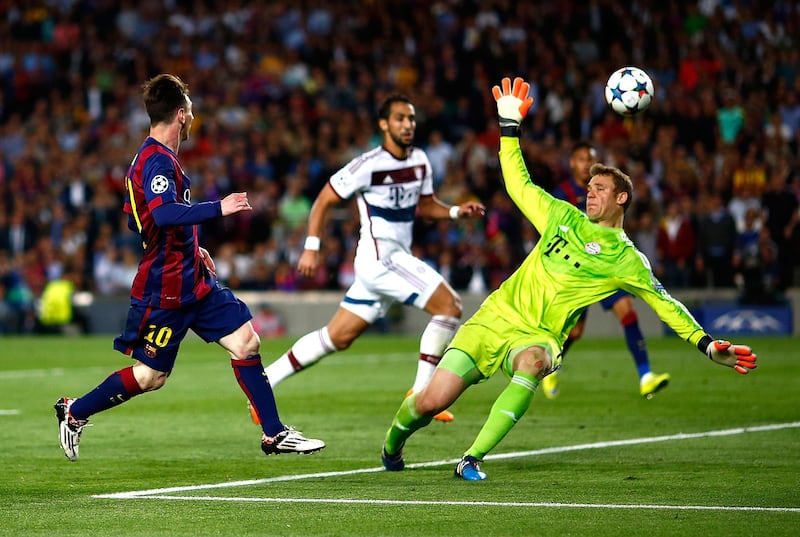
(69, 428)
(289, 440)
(393, 463)
(651, 383)
(253, 413)
(468, 468)
(445, 415)
(550, 385)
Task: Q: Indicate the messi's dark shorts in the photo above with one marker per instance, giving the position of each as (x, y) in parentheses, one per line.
(153, 335)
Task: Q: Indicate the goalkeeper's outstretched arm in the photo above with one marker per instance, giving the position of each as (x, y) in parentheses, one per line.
(513, 104)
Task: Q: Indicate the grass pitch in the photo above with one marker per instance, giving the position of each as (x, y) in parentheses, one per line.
(716, 453)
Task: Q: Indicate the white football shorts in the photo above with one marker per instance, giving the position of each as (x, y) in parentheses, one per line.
(395, 277)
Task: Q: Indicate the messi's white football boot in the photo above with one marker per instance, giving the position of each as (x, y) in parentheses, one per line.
(289, 440)
(69, 428)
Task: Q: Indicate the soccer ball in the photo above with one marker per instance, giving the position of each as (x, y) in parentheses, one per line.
(629, 91)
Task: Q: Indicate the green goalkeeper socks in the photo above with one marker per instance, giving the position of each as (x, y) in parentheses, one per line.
(405, 423)
(509, 407)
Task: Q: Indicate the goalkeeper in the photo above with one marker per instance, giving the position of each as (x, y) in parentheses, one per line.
(521, 327)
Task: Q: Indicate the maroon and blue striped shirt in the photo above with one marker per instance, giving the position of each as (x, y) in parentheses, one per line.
(158, 203)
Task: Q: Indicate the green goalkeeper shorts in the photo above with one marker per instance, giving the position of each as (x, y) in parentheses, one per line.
(491, 343)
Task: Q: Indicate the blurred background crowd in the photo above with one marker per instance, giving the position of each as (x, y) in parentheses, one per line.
(285, 93)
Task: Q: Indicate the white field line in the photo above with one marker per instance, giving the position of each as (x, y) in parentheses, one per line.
(10, 412)
(165, 493)
(347, 501)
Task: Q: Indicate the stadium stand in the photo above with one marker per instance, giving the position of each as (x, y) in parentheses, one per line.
(285, 93)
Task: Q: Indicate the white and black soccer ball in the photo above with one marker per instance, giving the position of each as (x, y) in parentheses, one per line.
(629, 91)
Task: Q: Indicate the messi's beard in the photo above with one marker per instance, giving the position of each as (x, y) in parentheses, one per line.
(184, 131)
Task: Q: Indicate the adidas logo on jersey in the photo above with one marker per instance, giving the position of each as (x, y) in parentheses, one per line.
(388, 180)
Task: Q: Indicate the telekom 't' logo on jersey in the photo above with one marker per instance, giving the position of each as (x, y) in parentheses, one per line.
(556, 245)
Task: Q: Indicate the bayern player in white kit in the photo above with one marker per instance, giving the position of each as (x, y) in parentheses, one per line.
(391, 183)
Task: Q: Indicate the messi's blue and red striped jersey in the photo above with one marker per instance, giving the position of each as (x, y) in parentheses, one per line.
(158, 203)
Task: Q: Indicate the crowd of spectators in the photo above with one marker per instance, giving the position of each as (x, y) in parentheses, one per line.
(285, 92)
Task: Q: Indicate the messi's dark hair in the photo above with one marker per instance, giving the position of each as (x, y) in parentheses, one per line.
(163, 95)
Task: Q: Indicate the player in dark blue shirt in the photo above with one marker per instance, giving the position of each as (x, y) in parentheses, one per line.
(573, 190)
(170, 274)
(175, 287)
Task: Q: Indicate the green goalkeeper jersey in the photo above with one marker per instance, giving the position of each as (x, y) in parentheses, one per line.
(576, 263)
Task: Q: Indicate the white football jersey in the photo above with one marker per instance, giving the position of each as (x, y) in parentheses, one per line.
(387, 190)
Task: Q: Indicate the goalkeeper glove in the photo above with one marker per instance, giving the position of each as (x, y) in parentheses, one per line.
(739, 357)
(513, 103)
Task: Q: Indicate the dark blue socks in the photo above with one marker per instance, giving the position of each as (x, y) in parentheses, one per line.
(254, 383)
(115, 390)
